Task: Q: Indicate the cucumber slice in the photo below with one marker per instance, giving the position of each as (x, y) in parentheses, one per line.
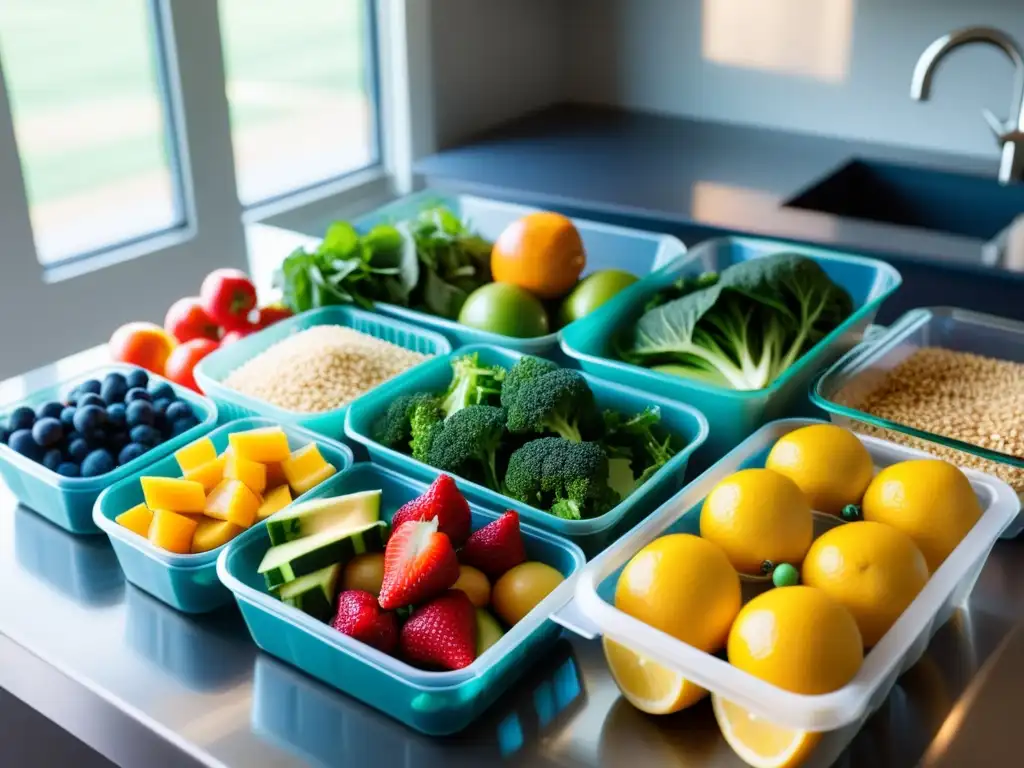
(288, 562)
(319, 515)
(314, 593)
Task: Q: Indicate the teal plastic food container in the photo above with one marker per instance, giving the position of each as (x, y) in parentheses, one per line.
(731, 414)
(187, 582)
(607, 247)
(68, 501)
(687, 424)
(435, 703)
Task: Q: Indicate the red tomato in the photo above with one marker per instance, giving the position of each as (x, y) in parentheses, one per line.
(184, 359)
(187, 320)
(273, 313)
(228, 296)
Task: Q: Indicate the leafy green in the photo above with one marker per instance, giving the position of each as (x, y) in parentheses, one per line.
(455, 262)
(639, 441)
(744, 330)
(473, 383)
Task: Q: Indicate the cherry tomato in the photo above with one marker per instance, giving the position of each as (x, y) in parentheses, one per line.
(273, 313)
(228, 296)
(187, 320)
(184, 358)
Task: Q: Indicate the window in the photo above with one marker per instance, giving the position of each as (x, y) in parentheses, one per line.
(300, 89)
(84, 82)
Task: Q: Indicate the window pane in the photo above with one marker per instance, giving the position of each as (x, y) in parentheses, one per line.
(301, 108)
(90, 122)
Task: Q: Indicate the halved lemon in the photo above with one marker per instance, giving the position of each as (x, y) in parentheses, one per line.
(647, 685)
(758, 742)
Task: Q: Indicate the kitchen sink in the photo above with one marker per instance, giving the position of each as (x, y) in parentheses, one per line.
(971, 206)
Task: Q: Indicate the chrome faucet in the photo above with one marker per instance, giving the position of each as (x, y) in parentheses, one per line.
(1009, 133)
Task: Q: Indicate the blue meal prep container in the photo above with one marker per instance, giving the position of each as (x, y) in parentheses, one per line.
(187, 582)
(607, 247)
(687, 424)
(436, 703)
(68, 501)
(731, 414)
(214, 369)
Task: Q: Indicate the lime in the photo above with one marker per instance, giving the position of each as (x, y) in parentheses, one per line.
(593, 291)
(506, 309)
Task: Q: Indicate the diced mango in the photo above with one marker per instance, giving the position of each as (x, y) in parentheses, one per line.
(274, 501)
(275, 474)
(211, 534)
(136, 519)
(172, 531)
(196, 454)
(208, 475)
(252, 473)
(263, 445)
(174, 494)
(233, 502)
(306, 468)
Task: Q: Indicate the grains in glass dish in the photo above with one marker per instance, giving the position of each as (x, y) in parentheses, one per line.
(320, 369)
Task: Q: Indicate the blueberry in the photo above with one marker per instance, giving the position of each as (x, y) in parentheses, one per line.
(52, 459)
(98, 462)
(67, 418)
(162, 404)
(162, 390)
(23, 442)
(91, 399)
(47, 432)
(178, 410)
(21, 418)
(140, 412)
(68, 469)
(114, 378)
(89, 386)
(131, 452)
(183, 425)
(5, 435)
(137, 379)
(89, 418)
(117, 440)
(137, 394)
(114, 391)
(117, 415)
(78, 450)
(50, 410)
(146, 435)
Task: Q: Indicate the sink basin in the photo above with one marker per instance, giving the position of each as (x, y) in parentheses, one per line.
(971, 206)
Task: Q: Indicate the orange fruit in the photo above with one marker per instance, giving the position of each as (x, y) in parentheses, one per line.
(541, 252)
(146, 345)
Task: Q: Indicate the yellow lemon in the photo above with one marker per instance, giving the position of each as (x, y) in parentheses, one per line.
(647, 685)
(797, 638)
(874, 570)
(684, 586)
(829, 464)
(758, 742)
(756, 515)
(930, 500)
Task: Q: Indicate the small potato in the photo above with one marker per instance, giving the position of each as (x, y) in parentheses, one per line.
(365, 572)
(475, 585)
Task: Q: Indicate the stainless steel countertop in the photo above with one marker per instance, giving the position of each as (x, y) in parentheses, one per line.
(145, 685)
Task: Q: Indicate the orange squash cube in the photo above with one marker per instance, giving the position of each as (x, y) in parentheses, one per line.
(211, 534)
(275, 474)
(252, 473)
(274, 501)
(233, 502)
(264, 445)
(137, 519)
(174, 494)
(172, 531)
(207, 475)
(306, 468)
(196, 454)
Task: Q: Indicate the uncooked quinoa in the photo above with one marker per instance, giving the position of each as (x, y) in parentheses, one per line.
(320, 369)
(975, 399)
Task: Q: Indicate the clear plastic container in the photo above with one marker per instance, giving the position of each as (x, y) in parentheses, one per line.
(214, 369)
(607, 247)
(592, 611)
(435, 703)
(866, 366)
(592, 535)
(731, 414)
(188, 583)
(68, 501)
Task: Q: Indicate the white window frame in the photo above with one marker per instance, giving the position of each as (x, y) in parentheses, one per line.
(46, 313)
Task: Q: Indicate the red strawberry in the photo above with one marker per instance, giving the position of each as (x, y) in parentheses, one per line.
(441, 633)
(496, 547)
(443, 501)
(360, 616)
(419, 563)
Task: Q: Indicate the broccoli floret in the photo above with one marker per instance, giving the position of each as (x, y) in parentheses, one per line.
(559, 401)
(472, 384)
(567, 478)
(525, 369)
(394, 428)
(425, 423)
(466, 443)
(634, 438)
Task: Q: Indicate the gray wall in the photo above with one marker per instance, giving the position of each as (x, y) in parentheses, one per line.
(836, 67)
